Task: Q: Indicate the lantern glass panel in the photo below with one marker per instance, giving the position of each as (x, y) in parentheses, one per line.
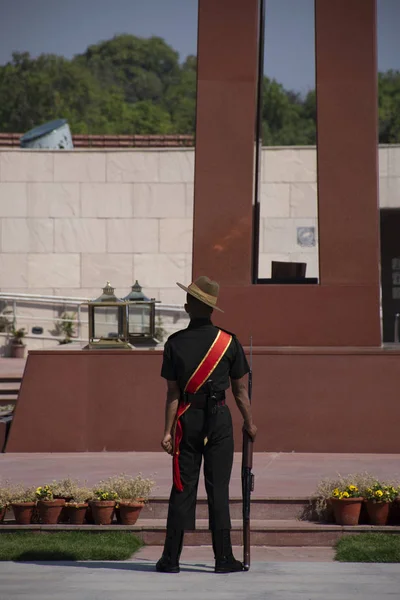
(139, 319)
(106, 322)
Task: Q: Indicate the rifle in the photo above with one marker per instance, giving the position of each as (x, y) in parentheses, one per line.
(247, 476)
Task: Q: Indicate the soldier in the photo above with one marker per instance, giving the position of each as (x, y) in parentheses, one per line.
(199, 363)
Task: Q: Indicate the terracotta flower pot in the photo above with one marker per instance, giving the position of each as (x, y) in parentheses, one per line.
(347, 511)
(75, 513)
(18, 350)
(394, 512)
(3, 510)
(103, 511)
(50, 510)
(63, 518)
(118, 515)
(130, 512)
(23, 512)
(89, 515)
(378, 512)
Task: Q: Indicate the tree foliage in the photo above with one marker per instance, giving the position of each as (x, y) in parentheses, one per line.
(389, 107)
(135, 85)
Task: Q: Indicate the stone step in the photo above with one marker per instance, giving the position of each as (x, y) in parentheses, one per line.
(9, 399)
(9, 389)
(263, 532)
(261, 508)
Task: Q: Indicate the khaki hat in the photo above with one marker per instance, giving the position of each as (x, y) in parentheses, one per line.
(205, 290)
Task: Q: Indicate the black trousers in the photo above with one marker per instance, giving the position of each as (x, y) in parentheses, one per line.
(218, 458)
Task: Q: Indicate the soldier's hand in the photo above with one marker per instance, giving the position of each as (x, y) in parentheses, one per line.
(251, 430)
(166, 443)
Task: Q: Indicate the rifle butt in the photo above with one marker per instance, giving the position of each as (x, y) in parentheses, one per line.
(246, 546)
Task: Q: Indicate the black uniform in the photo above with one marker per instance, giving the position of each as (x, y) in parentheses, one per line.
(207, 424)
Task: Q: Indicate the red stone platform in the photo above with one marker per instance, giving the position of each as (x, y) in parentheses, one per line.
(304, 400)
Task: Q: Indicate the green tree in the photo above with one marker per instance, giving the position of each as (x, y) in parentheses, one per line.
(389, 107)
(135, 85)
(180, 98)
(142, 68)
(148, 118)
(284, 119)
(33, 91)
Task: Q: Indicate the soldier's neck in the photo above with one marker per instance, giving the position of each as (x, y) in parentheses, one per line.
(195, 320)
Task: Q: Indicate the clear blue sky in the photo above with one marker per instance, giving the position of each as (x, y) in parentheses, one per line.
(67, 27)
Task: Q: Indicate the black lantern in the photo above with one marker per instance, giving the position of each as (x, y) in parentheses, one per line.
(141, 316)
(108, 322)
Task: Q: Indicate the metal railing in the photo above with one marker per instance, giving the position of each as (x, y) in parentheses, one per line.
(12, 313)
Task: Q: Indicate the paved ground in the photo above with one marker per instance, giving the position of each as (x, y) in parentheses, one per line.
(258, 554)
(136, 580)
(12, 367)
(277, 474)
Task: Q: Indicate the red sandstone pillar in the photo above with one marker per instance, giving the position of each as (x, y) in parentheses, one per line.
(225, 133)
(343, 309)
(347, 142)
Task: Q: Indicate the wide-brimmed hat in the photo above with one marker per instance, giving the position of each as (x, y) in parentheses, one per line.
(205, 290)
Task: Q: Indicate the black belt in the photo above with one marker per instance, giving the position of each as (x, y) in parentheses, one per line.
(200, 400)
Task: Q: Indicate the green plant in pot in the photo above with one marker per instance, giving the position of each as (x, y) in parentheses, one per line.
(5, 498)
(49, 508)
(346, 502)
(394, 515)
(379, 498)
(64, 489)
(65, 327)
(133, 493)
(332, 496)
(17, 345)
(77, 506)
(23, 503)
(5, 323)
(103, 504)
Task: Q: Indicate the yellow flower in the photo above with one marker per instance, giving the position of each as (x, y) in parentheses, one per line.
(345, 495)
(353, 488)
(379, 493)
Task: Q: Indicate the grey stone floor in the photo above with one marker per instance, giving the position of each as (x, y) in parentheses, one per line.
(136, 580)
(204, 554)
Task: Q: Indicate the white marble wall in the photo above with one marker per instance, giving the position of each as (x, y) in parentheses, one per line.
(289, 211)
(289, 219)
(70, 221)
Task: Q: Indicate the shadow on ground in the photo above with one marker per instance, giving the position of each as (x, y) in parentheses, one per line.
(146, 566)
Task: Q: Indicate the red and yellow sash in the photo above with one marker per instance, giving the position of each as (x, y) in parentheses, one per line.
(211, 360)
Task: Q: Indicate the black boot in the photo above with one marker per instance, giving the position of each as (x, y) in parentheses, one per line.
(169, 561)
(225, 562)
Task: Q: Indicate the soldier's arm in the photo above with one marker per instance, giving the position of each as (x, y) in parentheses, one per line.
(239, 390)
(171, 407)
